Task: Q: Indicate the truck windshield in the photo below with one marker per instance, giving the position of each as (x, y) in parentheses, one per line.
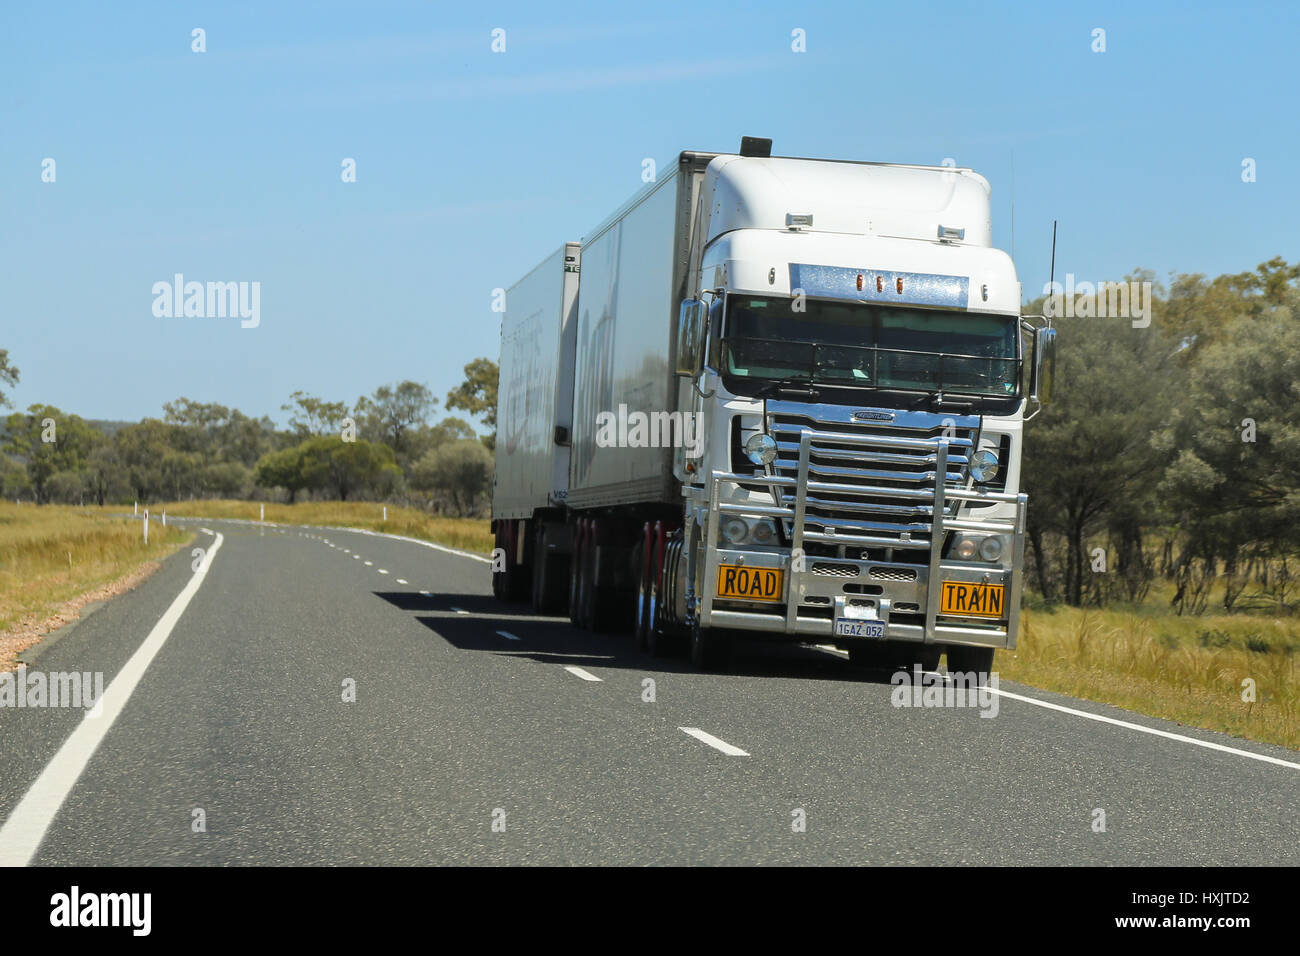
(858, 344)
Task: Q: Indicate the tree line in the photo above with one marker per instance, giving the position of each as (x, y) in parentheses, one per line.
(385, 446)
(1171, 453)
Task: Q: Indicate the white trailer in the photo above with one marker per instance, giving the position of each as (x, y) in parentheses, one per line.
(531, 478)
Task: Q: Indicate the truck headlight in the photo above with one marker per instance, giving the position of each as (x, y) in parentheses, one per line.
(738, 531)
(978, 547)
(761, 449)
(983, 466)
(735, 530)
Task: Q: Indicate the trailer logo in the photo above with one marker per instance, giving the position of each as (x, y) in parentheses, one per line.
(872, 415)
(638, 429)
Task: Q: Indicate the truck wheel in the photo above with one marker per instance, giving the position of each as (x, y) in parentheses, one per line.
(548, 596)
(711, 649)
(584, 585)
(641, 628)
(575, 578)
(966, 660)
(661, 637)
(927, 655)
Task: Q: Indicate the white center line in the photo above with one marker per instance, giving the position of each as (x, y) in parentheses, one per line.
(507, 635)
(370, 564)
(426, 593)
(713, 741)
(22, 833)
(579, 672)
(381, 570)
(403, 581)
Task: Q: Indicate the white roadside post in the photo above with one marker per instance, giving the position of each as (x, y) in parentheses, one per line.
(146, 526)
(135, 508)
(385, 512)
(164, 517)
(261, 512)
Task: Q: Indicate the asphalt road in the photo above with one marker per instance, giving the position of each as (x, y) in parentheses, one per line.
(467, 746)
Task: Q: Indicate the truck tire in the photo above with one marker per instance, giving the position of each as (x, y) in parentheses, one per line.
(550, 589)
(711, 649)
(575, 576)
(585, 589)
(642, 622)
(663, 639)
(966, 660)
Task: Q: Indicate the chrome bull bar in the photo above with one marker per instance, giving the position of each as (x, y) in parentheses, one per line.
(935, 496)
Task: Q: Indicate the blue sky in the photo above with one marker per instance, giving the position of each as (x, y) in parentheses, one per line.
(473, 166)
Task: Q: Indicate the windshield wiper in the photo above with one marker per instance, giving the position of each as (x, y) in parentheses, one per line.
(791, 388)
(938, 401)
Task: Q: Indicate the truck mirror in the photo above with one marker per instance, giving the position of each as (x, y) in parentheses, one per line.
(1044, 365)
(690, 337)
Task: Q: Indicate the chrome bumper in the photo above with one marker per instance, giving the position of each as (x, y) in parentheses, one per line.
(821, 581)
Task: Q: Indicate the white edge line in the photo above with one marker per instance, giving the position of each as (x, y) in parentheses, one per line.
(375, 534)
(26, 826)
(579, 672)
(713, 741)
(1209, 745)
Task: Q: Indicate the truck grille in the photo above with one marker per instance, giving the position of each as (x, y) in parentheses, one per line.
(894, 453)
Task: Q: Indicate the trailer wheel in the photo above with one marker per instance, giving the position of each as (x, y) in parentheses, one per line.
(967, 660)
(575, 576)
(644, 621)
(550, 590)
(585, 589)
(711, 649)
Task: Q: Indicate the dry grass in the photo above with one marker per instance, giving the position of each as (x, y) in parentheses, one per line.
(467, 534)
(51, 554)
(1187, 669)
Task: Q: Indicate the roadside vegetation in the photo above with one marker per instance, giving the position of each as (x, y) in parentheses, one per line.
(50, 555)
(466, 534)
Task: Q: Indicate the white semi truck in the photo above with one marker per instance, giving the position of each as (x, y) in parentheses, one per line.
(779, 398)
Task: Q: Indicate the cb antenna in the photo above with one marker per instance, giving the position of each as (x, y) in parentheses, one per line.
(1051, 279)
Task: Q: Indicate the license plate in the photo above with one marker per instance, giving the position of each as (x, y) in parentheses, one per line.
(973, 600)
(750, 584)
(847, 627)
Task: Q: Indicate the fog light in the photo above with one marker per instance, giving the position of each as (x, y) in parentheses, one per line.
(991, 548)
(761, 449)
(764, 531)
(965, 548)
(984, 466)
